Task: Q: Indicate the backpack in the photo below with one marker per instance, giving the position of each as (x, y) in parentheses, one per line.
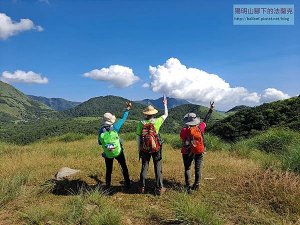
(149, 138)
(195, 136)
(110, 141)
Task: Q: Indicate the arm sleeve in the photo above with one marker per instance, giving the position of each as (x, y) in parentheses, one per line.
(120, 122)
(207, 116)
(183, 133)
(138, 140)
(166, 113)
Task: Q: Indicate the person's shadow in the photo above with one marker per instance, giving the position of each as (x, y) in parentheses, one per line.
(76, 187)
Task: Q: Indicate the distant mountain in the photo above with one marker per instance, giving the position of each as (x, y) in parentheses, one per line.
(58, 104)
(238, 108)
(14, 105)
(97, 106)
(249, 121)
(172, 102)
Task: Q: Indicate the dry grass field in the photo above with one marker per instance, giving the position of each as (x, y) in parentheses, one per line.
(234, 190)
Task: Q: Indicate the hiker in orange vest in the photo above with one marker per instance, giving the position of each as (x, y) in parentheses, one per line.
(193, 146)
(150, 144)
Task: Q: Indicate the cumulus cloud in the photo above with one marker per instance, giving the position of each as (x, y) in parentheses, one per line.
(146, 85)
(20, 76)
(8, 27)
(176, 80)
(118, 76)
(272, 94)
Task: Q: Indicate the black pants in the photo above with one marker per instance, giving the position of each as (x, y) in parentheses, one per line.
(157, 161)
(109, 167)
(187, 160)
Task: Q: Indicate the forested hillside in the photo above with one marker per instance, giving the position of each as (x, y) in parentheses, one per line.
(97, 106)
(250, 121)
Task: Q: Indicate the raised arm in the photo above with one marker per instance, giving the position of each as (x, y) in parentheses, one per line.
(208, 114)
(165, 102)
(120, 122)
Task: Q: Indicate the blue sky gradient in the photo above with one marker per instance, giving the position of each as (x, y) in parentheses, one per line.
(80, 36)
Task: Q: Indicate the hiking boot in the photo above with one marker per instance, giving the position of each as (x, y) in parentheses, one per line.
(196, 187)
(107, 190)
(160, 191)
(188, 189)
(141, 190)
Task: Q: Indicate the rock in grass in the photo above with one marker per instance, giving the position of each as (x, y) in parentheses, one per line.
(65, 172)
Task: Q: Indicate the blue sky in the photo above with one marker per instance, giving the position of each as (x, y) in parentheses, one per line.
(80, 36)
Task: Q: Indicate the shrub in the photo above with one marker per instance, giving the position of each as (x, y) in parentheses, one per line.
(291, 160)
(213, 143)
(172, 139)
(274, 140)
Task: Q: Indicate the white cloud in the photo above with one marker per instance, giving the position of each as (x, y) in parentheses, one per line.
(272, 94)
(176, 80)
(8, 27)
(146, 85)
(118, 76)
(20, 76)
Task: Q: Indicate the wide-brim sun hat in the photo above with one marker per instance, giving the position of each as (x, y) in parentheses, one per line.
(150, 110)
(109, 118)
(191, 119)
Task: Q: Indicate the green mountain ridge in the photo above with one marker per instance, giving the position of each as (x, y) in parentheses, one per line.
(250, 121)
(58, 104)
(14, 105)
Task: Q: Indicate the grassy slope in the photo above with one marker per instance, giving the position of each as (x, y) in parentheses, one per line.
(16, 105)
(239, 191)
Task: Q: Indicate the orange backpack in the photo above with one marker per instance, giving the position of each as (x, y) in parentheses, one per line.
(195, 136)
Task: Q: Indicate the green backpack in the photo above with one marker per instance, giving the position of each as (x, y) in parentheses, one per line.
(110, 143)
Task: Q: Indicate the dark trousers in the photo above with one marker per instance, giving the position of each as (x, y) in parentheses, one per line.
(109, 167)
(187, 160)
(157, 161)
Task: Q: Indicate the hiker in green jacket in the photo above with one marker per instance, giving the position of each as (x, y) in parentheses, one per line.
(150, 145)
(112, 145)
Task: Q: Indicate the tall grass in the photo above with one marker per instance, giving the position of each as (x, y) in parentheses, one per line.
(192, 211)
(10, 188)
(274, 148)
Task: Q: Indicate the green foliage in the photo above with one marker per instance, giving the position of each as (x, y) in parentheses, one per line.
(25, 133)
(99, 105)
(274, 140)
(248, 122)
(272, 148)
(291, 159)
(214, 143)
(194, 212)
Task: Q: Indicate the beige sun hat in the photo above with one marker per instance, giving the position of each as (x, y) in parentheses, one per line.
(150, 110)
(109, 118)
